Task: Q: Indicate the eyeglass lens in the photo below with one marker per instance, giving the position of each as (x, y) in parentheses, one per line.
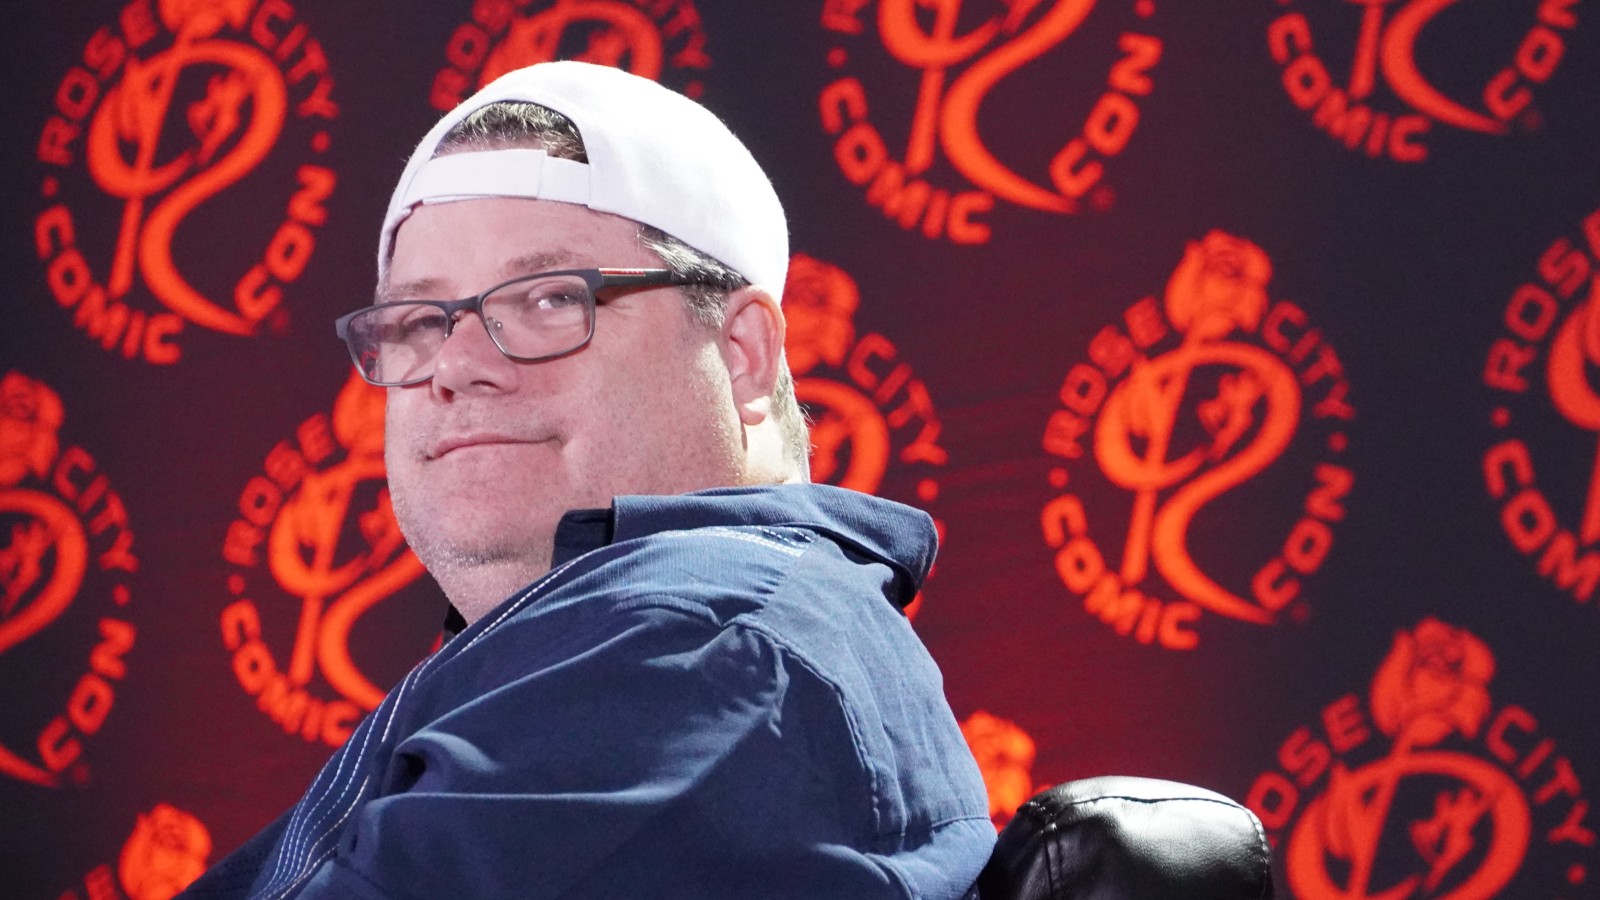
(529, 319)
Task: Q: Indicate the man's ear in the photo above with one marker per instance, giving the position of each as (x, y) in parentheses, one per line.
(752, 348)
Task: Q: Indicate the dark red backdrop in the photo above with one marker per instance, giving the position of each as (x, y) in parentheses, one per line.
(1245, 351)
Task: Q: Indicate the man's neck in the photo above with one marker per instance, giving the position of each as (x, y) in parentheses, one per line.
(475, 589)
(477, 586)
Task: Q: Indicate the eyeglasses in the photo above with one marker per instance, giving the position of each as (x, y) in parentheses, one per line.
(530, 318)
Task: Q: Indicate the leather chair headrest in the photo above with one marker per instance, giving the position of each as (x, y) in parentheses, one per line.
(1123, 838)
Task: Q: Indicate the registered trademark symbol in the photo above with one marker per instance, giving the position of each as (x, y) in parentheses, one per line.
(1300, 612)
(1501, 417)
(319, 142)
(78, 774)
(119, 595)
(694, 89)
(236, 584)
(1102, 198)
(927, 490)
(1337, 442)
(1531, 120)
(279, 321)
(51, 185)
(1058, 478)
(837, 57)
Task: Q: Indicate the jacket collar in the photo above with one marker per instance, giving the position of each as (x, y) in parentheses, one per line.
(894, 534)
(891, 533)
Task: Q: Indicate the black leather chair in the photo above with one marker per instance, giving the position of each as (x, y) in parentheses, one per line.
(1122, 838)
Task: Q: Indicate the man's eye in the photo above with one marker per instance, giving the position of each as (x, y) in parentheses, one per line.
(420, 325)
(409, 326)
(553, 298)
(536, 300)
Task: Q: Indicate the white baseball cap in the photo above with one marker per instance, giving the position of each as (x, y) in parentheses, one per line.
(655, 157)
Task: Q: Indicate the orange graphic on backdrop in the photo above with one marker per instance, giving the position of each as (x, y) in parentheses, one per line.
(133, 116)
(303, 548)
(1574, 355)
(330, 540)
(819, 303)
(59, 520)
(1185, 404)
(1005, 755)
(165, 853)
(618, 35)
(649, 39)
(962, 61)
(1548, 351)
(167, 135)
(1433, 685)
(862, 399)
(1425, 788)
(1385, 56)
(1391, 48)
(1218, 288)
(951, 112)
(849, 436)
(45, 555)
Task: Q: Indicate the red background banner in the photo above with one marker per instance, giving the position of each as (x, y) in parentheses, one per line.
(1247, 354)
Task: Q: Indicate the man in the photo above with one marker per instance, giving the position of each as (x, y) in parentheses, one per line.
(682, 671)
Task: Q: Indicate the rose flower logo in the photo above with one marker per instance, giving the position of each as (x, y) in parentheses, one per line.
(30, 415)
(1434, 683)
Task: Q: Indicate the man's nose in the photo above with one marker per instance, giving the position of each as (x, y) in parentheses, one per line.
(469, 360)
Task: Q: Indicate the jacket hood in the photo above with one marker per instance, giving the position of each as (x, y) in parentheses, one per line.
(897, 535)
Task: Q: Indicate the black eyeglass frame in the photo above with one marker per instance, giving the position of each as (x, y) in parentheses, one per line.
(594, 279)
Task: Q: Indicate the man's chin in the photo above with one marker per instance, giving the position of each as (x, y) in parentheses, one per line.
(462, 533)
(469, 554)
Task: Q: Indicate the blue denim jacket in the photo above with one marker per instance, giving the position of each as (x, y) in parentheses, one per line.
(709, 695)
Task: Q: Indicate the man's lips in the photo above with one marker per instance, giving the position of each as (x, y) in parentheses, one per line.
(451, 443)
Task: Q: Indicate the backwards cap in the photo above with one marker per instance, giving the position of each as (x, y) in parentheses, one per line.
(655, 157)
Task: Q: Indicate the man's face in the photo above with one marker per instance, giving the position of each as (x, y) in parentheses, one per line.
(484, 458)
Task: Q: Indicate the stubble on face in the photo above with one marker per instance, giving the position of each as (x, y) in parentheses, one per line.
(645, 408)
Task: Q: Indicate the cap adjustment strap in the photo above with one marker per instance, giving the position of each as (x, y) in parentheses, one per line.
(511, 172)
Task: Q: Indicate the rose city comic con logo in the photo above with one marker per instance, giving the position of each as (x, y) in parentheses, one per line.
(319, 521)
(66, 551)
(868, 409)
(166, 851)
(874, 428)
(1543, 468)
(1431, 790)
(650, 38)
(913, 141)
(1183, 416)
(1005, 755)
(147, 152)
(1411, 65)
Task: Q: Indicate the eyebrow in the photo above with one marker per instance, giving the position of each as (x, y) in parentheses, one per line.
(431, 288)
